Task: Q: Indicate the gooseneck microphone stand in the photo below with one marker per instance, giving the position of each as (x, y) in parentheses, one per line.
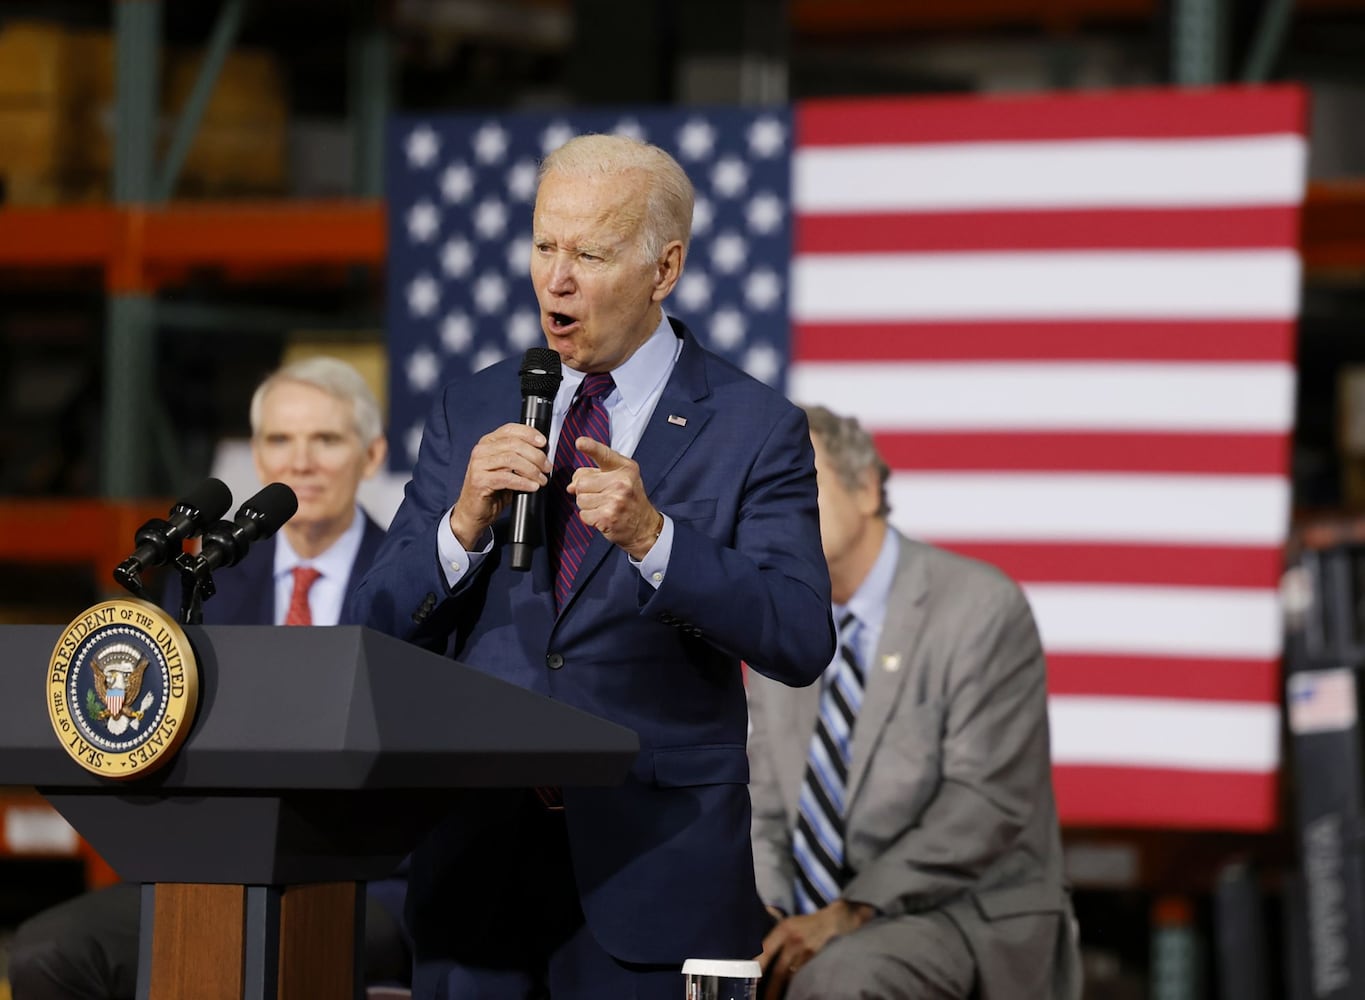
(196, 586)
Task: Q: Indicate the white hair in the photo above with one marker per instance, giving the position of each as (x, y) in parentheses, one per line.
(334, 377)
(668, 207)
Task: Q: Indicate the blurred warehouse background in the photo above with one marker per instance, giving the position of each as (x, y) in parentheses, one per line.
(190, 193)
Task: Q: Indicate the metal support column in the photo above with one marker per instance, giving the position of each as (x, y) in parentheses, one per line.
(1269, 41)
(370, 97)
(225, 31)
(732, 53)
(129, 375)
(1242, 944)
(1198, 42)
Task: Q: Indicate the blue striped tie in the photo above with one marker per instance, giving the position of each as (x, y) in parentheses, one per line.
(818, 841)
(568, 536)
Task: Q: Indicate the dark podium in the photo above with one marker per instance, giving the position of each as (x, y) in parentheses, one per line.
(318, 757)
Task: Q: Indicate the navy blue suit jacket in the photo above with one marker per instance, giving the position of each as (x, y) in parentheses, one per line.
(663, 863)
(246, 592)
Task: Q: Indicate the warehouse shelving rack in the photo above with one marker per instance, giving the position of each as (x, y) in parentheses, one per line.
(144, 241)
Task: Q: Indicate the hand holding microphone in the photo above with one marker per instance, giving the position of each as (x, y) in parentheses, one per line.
(508, 465)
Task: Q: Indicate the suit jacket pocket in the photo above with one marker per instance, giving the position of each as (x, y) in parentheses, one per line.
(1017, 900)
(677, 767)
(902, 776)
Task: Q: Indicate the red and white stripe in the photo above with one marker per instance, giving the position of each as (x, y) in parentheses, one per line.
(1069, 322)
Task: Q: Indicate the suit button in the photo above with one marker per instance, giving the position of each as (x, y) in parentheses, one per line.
(554, 661)
(424, 612)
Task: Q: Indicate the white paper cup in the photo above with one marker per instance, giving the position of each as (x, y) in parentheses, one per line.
(721, 979)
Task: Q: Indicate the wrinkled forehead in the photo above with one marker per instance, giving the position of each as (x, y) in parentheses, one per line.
(591, 207)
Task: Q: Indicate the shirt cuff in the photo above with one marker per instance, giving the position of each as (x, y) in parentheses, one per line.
(456, 563)
(654, 566)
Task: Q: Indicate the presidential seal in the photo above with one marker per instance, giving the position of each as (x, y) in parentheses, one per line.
(122, 687)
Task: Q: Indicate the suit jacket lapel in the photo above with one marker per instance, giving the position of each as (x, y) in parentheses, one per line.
(369, 545)
(664, 441)
(678, 417)
(256, 587)
(886, 674)
(265, 606)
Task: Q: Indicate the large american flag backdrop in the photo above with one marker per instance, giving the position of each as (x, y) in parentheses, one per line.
(1068, 320)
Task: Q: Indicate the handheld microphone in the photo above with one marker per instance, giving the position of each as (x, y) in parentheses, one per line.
(226, 543)
(159, 541)
(541, 372)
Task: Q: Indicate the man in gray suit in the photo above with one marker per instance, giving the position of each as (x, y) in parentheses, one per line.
(905, 834)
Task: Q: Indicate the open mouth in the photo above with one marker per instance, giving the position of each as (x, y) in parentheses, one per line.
(562, 322)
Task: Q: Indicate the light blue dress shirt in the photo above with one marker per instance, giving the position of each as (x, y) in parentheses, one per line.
(328, 592)
(868, 604)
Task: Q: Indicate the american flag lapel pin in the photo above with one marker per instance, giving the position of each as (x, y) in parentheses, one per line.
(676, 420)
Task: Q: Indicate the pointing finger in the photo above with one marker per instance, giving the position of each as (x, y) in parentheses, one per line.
(601, 455)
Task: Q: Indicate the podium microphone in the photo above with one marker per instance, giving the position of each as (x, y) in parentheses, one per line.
(159, 541)
(226, 543)
(541, 372)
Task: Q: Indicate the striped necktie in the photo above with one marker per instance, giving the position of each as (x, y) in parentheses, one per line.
(818, 841)
(568, 537)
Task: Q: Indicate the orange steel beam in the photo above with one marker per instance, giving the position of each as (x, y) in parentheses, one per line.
(861, 17)
(847, 17)
(342, 232)
(39, 237)
(140, 247)
(135, 244)
(1334, 225)
(95, 532)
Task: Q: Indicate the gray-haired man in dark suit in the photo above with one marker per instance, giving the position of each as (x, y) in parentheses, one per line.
(316, 427)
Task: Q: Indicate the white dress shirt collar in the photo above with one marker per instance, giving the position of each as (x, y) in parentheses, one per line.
(638, 380)
(334, 564)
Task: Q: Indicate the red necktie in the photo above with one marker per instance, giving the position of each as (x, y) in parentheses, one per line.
(299, 613)
(568, 536)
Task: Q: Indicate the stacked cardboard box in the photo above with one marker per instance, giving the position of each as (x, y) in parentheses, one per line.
(1351, 435)
(57, 118)
(51, 82)
(241, 144)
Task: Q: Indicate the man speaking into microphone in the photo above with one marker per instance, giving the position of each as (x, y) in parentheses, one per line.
(681, 536)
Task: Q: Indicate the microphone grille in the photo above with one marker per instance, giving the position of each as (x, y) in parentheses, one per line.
(209, 501)
(541, 372)
(270, 508)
